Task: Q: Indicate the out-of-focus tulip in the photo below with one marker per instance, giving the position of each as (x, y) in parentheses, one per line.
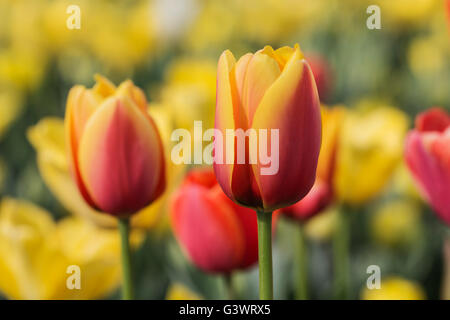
(271, 89)
(218, 235)
(322, 74)
(35, 253)
(395, 288)
(369, 150)
(321, 193)
(178, 291)
(47, 137)
(396, 223)
(115, 152)
(427, 154)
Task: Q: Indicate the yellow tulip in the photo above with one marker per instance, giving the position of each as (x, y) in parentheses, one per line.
(35, 253)
(396, 222)
(177, 291)
(395, 288)
(370, 147)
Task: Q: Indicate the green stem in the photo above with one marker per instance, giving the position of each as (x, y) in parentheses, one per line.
(341, 256)
(127, 279)
(229, 286)
(301, 262)
(265, 255)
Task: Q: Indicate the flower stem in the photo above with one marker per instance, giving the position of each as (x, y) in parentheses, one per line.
(229, 287)
(265, 255)
(127, 279)
(300, 266)
(341, 256)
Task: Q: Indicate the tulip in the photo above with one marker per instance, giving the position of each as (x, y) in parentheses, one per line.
(426, 153)
(218, 235)
(268, 90)
(370, 145)
(115, 154)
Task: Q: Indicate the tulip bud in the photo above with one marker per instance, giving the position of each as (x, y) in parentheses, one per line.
(115, 152)
(272, 90)
(427, 154)
(218, 235)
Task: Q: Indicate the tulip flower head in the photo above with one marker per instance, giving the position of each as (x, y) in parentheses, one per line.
(218, 235)
(115, 151)
(268, 90)
(427, 154)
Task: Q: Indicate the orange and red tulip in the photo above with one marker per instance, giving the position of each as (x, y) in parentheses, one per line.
(270, 89)
(428, 157)
(218, 235)
(115, 151)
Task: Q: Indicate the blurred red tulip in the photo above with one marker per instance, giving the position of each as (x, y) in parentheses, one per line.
(428, 157)
(321, 194)
(322, 75)
(269, 90)
(115, 152)
(218, 235)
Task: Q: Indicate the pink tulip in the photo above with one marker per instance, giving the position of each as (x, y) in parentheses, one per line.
(428, 157)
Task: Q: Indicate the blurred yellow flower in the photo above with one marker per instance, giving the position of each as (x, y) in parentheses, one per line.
(321, 227)
(370, 147)
(396, 222)
(190, 91)
(47, 137)
(425, 56)
(395, 288)
(35, 253)
(407, 13)
(177, 291)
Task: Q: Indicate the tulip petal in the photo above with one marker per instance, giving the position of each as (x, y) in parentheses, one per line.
(292, 106)
(248, 224)
(81, 104)
(262, 71)
(120, 157)
(224, 119)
